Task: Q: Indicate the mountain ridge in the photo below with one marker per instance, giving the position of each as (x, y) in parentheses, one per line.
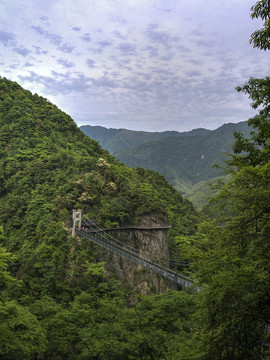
(56, 288)
(185, 159)
(114, 140)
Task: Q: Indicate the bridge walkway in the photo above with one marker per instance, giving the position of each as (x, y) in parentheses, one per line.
(102, 238)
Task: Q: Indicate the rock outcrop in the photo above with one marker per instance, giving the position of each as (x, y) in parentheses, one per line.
(150, 239)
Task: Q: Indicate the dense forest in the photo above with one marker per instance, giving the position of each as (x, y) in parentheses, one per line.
(116, 140)
(49, 167)
(56, 300)
(185, 159)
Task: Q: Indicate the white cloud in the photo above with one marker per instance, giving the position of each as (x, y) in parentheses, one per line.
(141, 64)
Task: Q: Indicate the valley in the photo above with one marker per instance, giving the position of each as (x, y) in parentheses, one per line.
(132, 245)
(185, 159)
(80, 297)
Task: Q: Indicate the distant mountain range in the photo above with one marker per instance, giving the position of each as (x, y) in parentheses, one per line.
(115, 140)
(185, 159)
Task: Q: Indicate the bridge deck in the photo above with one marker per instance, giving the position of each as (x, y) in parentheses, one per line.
(101, 238)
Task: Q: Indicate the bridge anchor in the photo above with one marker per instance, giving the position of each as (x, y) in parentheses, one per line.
(77, 218)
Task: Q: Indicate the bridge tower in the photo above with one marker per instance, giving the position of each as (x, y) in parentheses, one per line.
(77, 218)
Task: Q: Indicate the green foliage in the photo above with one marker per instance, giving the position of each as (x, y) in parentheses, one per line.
(56, 301)
(185, 160)
(5, 258)
(261, 38)
(106, 329)
(230, 254)
(115, 140)
(21, 334)
(203, 191)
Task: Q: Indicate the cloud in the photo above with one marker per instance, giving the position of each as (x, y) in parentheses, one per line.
(146, 77)
(119, 56)
(39, 51)
(44, 20)
(58, 75)
(182, 48)
(119, 35)
(58, 84)
(193, 61)
(168, 57)
(90, 63)
(27, 64)
(152, 51)
(104, 82)
(122, 62)
(66, 48)
(86, 37)
(193, 73)
(140, 86)
(7, 38)
(102, 45)
(208, 43)
(162, 72)
(196, 32)
(127, 48)
(65, 63)
(54, 39)
(160, 37)
(39, 30)
(14, 66)
(22, 51)
(117, 19)
(76, 28)
(62, 84)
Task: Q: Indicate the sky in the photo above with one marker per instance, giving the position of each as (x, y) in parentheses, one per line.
(151, 65)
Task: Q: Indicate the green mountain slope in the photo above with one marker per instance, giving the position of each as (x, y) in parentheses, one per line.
(115, 140)
(185, 161)
(55, 300)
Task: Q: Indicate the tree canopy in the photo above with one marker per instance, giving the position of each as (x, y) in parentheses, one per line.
(56, 301)
(231, 251)
(54, 292)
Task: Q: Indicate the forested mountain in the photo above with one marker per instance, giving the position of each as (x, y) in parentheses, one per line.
(115, 140)
(231, 250)
(185, 159)
(56, 301)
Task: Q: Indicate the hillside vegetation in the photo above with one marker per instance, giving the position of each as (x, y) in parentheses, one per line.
(185, 159)
(55, 301)
(115, 140)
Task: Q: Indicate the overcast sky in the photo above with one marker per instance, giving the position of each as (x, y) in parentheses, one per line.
(150, 65)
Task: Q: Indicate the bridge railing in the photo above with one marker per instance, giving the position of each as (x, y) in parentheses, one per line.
(103, 240)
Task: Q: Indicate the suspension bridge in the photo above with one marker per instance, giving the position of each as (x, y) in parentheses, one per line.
(102, 237)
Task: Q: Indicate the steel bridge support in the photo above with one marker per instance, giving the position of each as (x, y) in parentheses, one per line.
(77, 218)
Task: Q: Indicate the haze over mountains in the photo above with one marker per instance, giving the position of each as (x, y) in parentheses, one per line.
(115, 140)
(185, 159)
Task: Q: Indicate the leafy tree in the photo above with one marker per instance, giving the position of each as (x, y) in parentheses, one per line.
(65, 306)
(21, 335)
(261, 38)
(231, 255)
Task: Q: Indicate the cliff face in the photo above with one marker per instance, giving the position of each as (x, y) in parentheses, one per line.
(151, 240)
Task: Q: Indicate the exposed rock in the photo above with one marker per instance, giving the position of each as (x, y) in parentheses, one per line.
(152, 243)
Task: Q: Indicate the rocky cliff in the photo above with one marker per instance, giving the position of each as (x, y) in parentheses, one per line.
(150, 239)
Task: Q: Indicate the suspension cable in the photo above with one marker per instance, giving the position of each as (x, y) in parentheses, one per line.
(98, 229)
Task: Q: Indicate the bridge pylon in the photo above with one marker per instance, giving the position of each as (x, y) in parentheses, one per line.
(77, 218)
